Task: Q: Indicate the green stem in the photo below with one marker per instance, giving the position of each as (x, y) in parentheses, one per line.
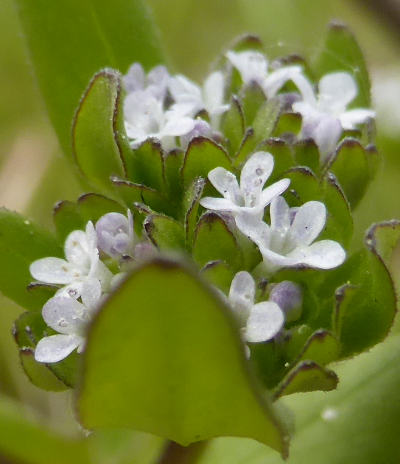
(177, 454)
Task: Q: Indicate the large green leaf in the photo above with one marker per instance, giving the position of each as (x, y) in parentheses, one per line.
(27, 441)
(173, 364)
(357, 423)
(22, 242)
(70, 40)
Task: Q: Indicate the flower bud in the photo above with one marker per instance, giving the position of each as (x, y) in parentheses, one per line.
(115, 234)
(289, 297)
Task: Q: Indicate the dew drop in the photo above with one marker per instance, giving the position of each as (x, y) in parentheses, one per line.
(329, 414)
(62, 323)
(27, 222)
(259, 171)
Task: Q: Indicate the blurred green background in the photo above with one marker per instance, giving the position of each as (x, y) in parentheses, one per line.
(34, 173)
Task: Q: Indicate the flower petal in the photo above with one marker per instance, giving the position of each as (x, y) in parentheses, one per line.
(273, 191)
(280, 222)
(351, 118)
(54, 271)
(135, 77)
(65, 315)
(218, 204)
(336, 91)
(56, 347)
(176, 125)
(265, 321)
(308, 223)
(254, 228)
(277, 79)
(241, 295)
(91, 293)
(214, 91)
(252, 66)
(183, 89)
(255, 173)
(226, 184)
(325, 254)
(307, 92)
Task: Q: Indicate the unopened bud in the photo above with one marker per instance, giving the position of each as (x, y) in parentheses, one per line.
(115, 234)
(289, 297)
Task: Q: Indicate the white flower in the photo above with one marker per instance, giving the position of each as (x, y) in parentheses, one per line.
(249, 197)
(325, 115)
(190, 99)
(289, 239)
(156, 81)
(82, 262)
(115, 234)
(253, 67)
(69, 318)
(145, 117)
(260, 322)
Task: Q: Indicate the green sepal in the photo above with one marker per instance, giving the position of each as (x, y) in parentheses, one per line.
(191, 207)
(203, 155)
(95, 133)
(28, 329)
(252, 97)
(350, 166)
(131, 193)
(215, 241)
(232, 125)
(282, 153)
(69, 216)
(169, 392)
(307, 376)
(218, 273)
(289, 124)
(306, 153)
(146, 165)
(164, 232)
(341, 52)
(305, 186)
(21, 243)
(322, 347)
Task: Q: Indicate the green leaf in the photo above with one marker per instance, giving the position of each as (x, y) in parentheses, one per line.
(146, 165)
(356, 423)
(366, 305)
(70, 40)
(203, 155)
(173, 163)
(350, 166)
(164, 232)
(214, 241)
(28, 329)
(66, 217)
(252, 97)
(190, 382)
(40, 445)
(341, 52)
(307, 376)
(21, 243)
(95, 148)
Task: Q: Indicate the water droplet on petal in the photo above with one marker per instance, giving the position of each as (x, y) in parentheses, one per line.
(329, 414)
(62, 323)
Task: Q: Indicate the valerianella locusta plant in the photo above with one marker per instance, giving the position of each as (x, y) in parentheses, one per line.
(215, 249)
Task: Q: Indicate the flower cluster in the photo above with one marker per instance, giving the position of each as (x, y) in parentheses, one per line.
(174, 107)
(83, 281)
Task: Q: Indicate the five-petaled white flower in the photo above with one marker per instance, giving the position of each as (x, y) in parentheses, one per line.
(68, 317)
(115, 234)
(289, 240)
(253, 68)
(259, 322)
(82, 262)
(145, 117)
(249, 197)
(325, 115)
(190, 98)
